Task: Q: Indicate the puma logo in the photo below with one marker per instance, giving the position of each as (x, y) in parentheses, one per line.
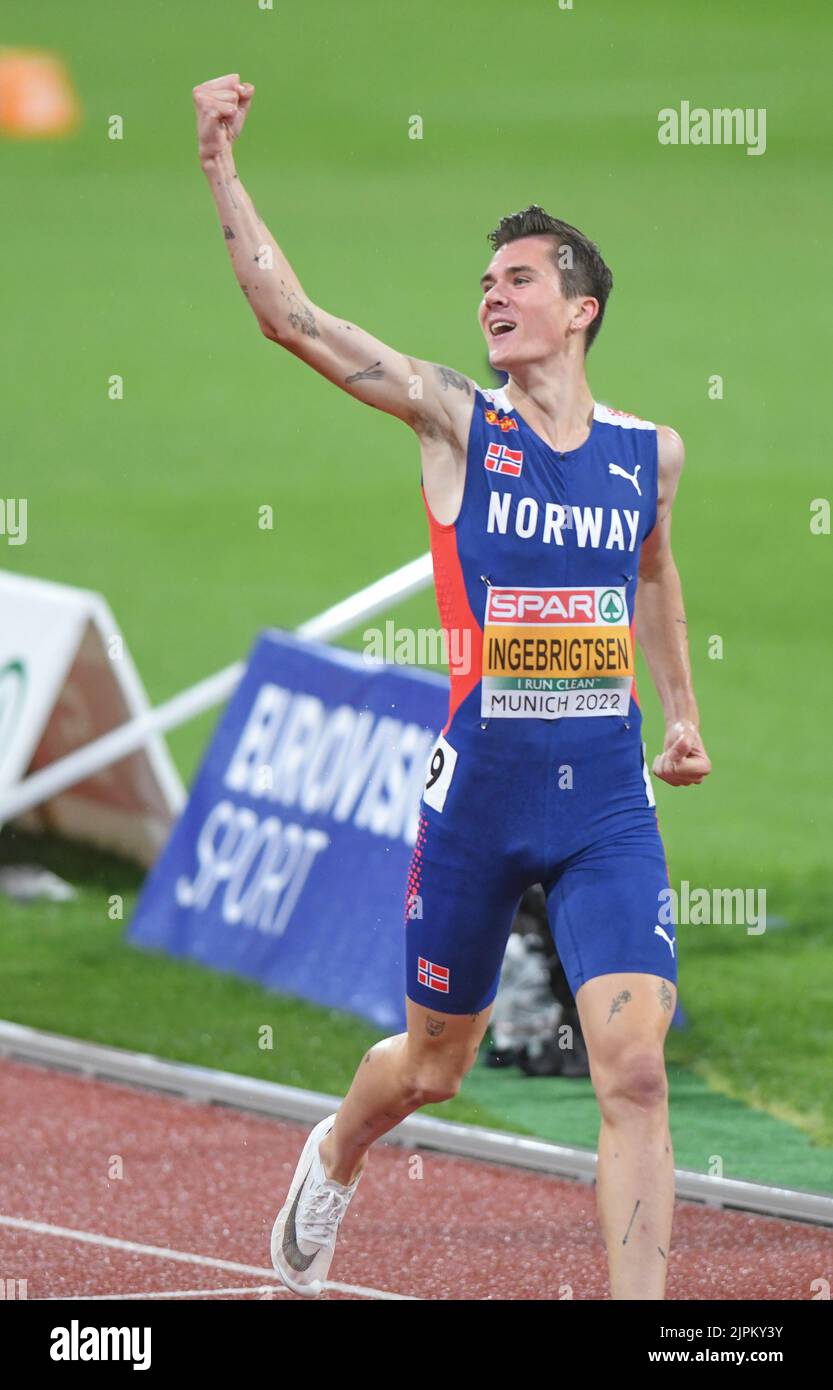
(658, 931)
(620, 473)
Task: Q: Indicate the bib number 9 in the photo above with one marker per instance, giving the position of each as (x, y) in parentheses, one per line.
(440, 771)
(436, 768)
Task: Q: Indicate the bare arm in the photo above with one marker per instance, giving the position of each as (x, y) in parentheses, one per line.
(662, 633)
(433, 400)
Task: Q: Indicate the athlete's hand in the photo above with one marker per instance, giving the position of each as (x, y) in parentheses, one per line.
(683, 761)
(222, 107)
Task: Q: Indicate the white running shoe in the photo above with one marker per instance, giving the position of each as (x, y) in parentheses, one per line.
(305, 1229)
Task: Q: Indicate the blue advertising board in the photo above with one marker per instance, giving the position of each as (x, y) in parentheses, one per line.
(289, 863)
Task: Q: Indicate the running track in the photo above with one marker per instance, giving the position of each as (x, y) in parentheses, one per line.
(191, 1216)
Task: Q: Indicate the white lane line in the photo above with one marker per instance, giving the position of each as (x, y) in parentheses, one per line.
(259, 1289)
(161, 1253)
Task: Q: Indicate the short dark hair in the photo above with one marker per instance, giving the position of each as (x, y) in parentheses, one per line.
(588, 273)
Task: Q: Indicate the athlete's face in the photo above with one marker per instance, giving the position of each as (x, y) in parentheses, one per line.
(522, 287)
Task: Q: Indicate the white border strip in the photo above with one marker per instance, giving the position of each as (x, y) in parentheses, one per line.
(420, 1131)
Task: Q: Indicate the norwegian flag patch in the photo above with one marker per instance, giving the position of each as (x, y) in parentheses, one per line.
(499, 459)
(433, 976)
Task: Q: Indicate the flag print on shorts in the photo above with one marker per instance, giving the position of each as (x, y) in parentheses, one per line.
(499, 459)
(433, 976)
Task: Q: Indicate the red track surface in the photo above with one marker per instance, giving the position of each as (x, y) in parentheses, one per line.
(208, 1181)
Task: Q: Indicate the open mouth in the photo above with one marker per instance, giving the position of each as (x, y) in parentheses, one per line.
(500, 327)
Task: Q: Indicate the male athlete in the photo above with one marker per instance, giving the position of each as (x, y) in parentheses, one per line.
(544, 508)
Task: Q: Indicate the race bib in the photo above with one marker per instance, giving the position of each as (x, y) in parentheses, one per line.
(548, 653)
(441, 766)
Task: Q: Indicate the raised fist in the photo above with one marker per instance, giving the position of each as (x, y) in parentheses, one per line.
(683, 761)
(222, 107)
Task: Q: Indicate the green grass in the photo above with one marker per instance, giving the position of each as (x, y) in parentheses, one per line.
(118, 266)
(759, 1017)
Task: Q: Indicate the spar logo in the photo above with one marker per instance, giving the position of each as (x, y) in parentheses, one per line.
(541, 606)
(12, 693)
(611, 606)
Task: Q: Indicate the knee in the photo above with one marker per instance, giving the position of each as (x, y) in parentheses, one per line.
(430, 1085)
(634, 1081)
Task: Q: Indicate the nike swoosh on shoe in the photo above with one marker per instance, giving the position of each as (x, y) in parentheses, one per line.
(293, 1256)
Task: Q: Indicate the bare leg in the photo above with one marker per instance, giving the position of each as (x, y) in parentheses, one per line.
(625, 1019)
(396, 1077)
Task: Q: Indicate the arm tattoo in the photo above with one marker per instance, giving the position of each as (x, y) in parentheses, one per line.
(455, 379)
(228, 233)
(226, 183)
(630, 1223)
(301, 316)
(374, 373)
(617, 1004)
(664, 995)
(434, 1026)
